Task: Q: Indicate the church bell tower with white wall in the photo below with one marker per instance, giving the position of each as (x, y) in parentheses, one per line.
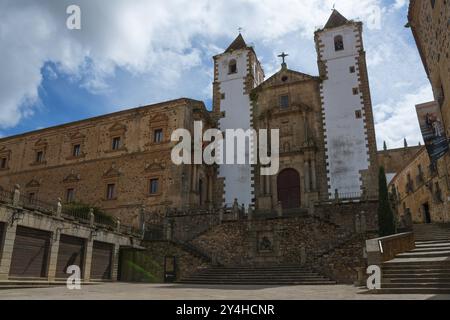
(236, 72)
(349, 132)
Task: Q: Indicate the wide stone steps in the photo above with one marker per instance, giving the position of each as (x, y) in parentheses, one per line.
(425, 270)
(420, 279)
(424, 232)
(275, 275)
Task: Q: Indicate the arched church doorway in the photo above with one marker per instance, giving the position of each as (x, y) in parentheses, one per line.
(288, 187)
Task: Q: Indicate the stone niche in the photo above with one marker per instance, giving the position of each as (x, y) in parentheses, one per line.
(264, 243)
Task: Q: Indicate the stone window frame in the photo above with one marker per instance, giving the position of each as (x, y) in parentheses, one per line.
(6, 157)
(117, 130)
(355, 91)
(40, 147)
(158, 136)
(73, 194)
(280, 101)
(158, 122)
(151, 178)
(338, 41)
(76, 139)
(116, 143)
(114, 195)
(358, 114)
(352, 69)
(32, 187)
(232, 66)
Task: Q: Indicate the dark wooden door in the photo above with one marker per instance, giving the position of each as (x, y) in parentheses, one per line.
(71, 252)
(426, 211)
(30, 253)
(101, 261)
(288, 185)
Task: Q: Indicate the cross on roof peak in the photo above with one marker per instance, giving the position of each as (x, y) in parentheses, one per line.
(283, 57)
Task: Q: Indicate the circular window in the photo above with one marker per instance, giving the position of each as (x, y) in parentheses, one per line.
(284, 78)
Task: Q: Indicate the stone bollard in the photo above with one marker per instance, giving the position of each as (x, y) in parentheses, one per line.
(360, 277)
(91, 217)
(302, 256)
(250, 212)
(279, 209)
(118, 225)
(235, 209)
(336, 195)
(357, 223)
(363, 222)
(59, 208)
(168, 227)
(16, 197)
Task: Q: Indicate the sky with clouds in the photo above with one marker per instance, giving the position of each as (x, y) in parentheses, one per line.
(136, 52)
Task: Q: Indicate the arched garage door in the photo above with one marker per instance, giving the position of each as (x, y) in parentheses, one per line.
(2, 227)
(71, 252)
(101, 261)
(30, 253)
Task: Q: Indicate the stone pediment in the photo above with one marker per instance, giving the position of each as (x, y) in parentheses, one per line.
(118, 127)
(33, 184)
(41, 143)
(155, 165)
(4, 151)
(72, 177)
(286, 76)
(158, 118)
(76, 136)
(112, 172)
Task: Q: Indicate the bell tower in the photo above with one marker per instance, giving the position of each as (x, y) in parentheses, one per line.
(348, 123)
(236, 72)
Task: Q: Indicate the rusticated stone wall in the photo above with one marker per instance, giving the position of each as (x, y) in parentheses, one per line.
(350, 215)
(309, 241)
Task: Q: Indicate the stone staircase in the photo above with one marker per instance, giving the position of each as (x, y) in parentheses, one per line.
(432, 232)
(426, 269)
(261, 275)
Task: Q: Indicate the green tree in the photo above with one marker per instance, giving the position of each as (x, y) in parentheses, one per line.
(386, 224)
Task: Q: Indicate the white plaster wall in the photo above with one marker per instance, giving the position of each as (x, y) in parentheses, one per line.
(346, 138)
(236, 105)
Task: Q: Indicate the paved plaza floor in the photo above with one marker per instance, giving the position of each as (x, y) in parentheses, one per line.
(125, 291)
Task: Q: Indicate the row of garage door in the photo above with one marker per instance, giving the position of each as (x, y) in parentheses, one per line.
(31, 252)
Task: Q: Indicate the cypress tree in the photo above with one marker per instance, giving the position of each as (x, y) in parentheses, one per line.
(386, 224)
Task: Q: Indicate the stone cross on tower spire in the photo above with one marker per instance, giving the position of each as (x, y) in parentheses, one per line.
(283, 56)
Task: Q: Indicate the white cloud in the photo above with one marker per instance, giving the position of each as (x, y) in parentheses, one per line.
(396, 119)
(166, 48)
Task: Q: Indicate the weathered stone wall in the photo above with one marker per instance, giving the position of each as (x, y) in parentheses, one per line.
(347, 262)
(188, 226)
(130, 168)
(350, 215)
(413, 189)
(148, 265)
(285, 240)
(393, 160)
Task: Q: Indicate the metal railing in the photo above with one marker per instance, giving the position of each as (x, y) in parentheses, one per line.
(342, 196)
(30, 202)
(6, 196)
(80, 215)
(154, 232)
(104, 221)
